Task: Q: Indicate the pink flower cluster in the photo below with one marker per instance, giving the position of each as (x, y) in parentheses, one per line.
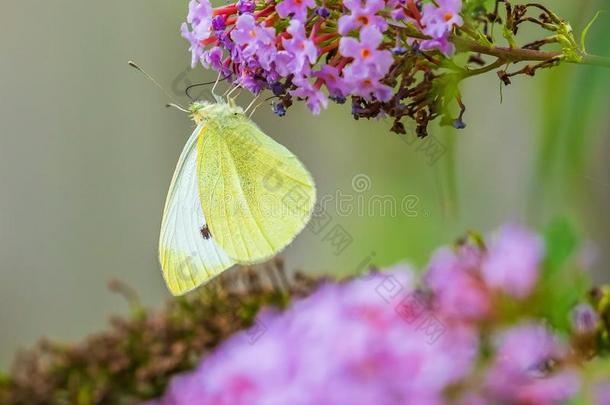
(343, 345)
(466, 280)
(315, 50)
(384, 339)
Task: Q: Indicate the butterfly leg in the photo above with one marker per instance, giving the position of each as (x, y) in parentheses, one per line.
(251, 103)
(231, 90)
(216, 83)
(254, 109)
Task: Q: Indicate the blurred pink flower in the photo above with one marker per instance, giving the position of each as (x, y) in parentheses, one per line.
(459, 291)
(522, 370)
(387, 339)
(342, 345)
(513, 261)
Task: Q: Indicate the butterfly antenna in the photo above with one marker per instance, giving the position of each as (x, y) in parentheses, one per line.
(178, 107)
(174, 103)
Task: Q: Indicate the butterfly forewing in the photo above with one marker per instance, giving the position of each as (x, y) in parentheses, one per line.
(188, 254)
(256, 194)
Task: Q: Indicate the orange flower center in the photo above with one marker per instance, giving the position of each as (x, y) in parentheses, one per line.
(365, 53)
(367, 82)
(448, 16)
(252, 33)
(364, 20)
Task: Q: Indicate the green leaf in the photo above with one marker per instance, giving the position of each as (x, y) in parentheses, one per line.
(583, 35)
(557, 297)
(561, 242)
(473, 5)
(563, 283)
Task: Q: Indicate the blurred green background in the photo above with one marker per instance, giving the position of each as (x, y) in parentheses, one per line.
(87, 150)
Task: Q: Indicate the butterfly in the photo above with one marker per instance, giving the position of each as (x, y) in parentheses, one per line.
(236, 197)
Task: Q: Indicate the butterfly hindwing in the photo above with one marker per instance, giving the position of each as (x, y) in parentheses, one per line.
(188, 254)
(256, 194)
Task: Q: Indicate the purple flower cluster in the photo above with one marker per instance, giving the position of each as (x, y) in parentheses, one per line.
(315, 50)
(437, 23)
(385, 339)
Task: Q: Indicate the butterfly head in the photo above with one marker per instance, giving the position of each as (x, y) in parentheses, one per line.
(204, 110)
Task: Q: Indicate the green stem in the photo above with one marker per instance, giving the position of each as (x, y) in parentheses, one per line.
(519, 54)
(506, 54)
(492, 66)
(595, 60)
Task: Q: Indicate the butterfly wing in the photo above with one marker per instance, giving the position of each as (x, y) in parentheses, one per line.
(256, 194)
(188, 254)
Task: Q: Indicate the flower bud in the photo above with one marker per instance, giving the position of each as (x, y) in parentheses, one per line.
(246, 6)
(323, 12)
(218, 23)
(584, 319)
(279, 109)
(458, 123)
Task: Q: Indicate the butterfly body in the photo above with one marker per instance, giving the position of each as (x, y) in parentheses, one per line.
(237, 196)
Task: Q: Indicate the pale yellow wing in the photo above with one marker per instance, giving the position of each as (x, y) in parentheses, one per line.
(255, 193)
(188, 254)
